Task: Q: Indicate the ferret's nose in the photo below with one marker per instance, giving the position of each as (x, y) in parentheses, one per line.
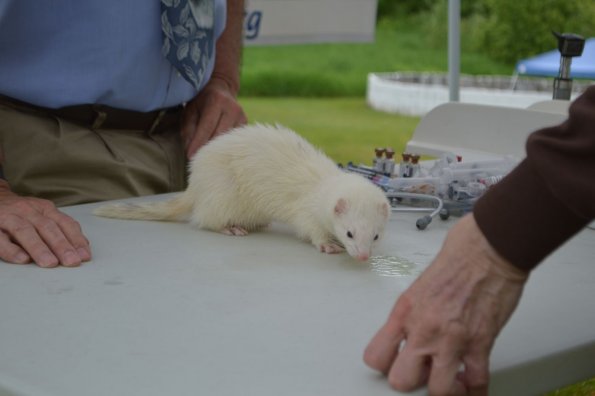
(363, 257)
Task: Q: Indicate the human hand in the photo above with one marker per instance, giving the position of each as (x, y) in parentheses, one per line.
(212, 112)
(34, 230)
(442, 328)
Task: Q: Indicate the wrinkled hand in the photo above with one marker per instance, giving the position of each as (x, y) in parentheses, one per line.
(33, 230)
(212, 112)
(442, 328)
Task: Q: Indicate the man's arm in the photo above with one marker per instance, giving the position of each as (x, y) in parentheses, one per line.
(229, 47)
(550, 196)
(442, 328)
(215, 110)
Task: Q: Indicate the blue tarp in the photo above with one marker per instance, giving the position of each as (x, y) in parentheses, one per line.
(548, 64)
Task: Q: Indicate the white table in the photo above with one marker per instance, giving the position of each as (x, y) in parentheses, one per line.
(164, 309)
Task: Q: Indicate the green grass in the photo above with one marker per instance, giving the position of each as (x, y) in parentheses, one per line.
(339, 70)
(344, 128)
(586, 388)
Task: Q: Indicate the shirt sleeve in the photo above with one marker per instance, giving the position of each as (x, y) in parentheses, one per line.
(550, 195)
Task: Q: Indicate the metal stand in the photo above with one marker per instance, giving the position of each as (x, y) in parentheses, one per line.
(570, 45)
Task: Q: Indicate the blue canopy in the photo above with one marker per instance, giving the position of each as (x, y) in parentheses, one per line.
(548, 64)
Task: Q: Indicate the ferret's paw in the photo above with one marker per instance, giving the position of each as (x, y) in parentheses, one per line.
(330, 248)
(234, 231)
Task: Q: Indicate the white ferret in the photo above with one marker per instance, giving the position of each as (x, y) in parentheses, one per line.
(252, 175)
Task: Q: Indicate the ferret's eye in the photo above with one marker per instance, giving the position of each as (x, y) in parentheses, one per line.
(349, 234)
(376, 237)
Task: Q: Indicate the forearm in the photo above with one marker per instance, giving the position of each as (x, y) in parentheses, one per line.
(550, 196)
(215, 110)
(229, 47)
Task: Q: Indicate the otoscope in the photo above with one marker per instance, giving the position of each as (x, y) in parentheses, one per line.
(570, 45)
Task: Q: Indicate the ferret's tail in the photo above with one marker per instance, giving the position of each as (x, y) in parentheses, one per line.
(175, 209)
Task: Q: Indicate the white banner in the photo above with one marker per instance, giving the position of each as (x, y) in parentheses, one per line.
(309, 21)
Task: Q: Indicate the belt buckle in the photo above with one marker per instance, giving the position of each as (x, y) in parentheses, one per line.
(100, 118)
(157, 120)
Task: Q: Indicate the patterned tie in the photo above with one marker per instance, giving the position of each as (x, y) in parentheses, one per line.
(187, 27)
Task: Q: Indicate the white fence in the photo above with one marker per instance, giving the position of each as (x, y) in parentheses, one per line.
(418, 93)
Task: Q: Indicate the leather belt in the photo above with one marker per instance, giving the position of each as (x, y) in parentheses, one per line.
(105, 117)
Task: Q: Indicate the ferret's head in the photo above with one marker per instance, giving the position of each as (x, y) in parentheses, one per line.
(359, 223)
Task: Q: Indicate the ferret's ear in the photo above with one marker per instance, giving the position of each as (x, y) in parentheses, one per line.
(384, 209)
(341, 206)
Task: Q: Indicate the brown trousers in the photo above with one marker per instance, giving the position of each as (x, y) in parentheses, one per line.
(70, 163)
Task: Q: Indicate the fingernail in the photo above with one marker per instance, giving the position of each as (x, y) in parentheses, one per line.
(48, 260)
(21, 258)
(84, 254)
(71, 259)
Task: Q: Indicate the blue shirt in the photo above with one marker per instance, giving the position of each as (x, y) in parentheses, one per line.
(68, 52)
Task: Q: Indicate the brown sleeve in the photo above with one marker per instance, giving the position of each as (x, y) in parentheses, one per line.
(550, 196)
